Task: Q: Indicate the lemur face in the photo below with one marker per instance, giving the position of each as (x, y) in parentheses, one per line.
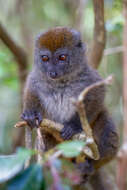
(59, 52)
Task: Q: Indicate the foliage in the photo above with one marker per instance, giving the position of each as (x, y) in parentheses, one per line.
(72, 149)
(8, 70)
(52, 172)
(10, 165)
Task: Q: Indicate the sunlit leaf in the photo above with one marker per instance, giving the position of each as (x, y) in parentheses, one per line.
(71, 148)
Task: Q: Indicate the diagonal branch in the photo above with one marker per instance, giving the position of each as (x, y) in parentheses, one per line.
(99, 39)
(18, 53)
(21, 59)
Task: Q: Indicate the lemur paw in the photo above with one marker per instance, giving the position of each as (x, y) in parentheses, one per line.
(67, 132)
(32, 118)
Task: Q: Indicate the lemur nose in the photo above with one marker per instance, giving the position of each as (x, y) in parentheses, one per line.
(53, 74)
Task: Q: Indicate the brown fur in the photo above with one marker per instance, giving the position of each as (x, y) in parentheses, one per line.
(55, 39)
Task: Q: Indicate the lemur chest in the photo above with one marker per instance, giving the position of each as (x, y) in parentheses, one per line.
(58, 107)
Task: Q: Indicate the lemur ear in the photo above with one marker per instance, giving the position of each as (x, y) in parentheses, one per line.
(77, 39)
(76, 35)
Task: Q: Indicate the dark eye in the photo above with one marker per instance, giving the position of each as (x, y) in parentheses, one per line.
(45, 58)
(62, 57)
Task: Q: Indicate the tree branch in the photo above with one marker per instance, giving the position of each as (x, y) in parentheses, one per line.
(99, 34)
(21, 60)
(113, 50)
(122, 155)
(80, 8)
(18, 53)
(28, 142)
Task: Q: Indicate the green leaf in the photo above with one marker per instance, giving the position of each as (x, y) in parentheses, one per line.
(29, 179)
(71, 148)
(10, 165)
(25, 153)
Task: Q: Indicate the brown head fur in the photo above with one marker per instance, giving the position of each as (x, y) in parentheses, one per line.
(56, 38)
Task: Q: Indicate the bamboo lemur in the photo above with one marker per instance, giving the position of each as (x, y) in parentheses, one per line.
(60, 71)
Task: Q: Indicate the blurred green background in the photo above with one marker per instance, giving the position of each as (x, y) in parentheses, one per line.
(23, 20)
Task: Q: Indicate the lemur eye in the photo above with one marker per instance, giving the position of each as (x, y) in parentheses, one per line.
(62, 57)
(45, 58)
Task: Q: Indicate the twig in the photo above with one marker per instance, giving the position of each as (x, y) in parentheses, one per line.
(113, 50)
(40, 145)
(28, 142)
(81, 111)
(20, 124)
(106, 81)
(56, 155)
(52, 128)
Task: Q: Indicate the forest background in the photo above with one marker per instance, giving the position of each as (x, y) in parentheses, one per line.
(21, 21)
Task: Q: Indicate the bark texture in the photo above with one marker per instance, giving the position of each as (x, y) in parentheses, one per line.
(99, 38)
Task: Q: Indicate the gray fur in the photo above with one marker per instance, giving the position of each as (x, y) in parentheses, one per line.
(55, 96)
(74, 75)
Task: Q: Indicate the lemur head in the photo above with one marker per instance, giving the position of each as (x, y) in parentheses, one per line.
(59, 52)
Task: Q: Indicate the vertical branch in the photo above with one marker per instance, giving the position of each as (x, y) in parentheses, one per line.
(28, 142)
(40, 146)
(122, 155)
(76, 10)
(99, 39)
(79, 14)
(125, 70)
